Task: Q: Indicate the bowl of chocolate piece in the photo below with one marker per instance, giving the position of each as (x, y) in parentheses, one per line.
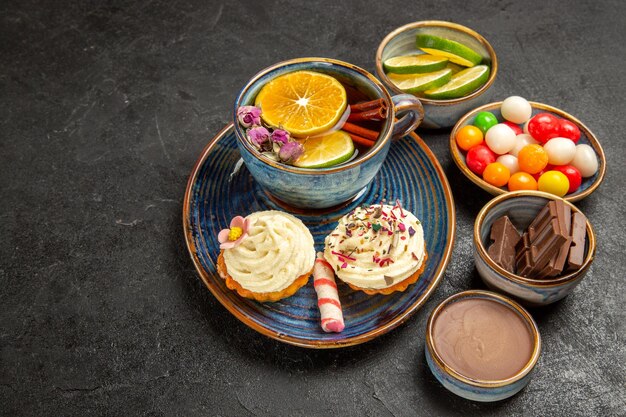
(533, 246)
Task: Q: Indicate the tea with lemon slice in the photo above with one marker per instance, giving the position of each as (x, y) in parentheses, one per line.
(304, 103)
(311, 120)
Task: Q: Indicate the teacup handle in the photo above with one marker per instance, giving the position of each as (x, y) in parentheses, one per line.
(412, 112)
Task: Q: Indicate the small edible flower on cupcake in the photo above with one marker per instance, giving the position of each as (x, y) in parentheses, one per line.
(249, 116)
(258, 136)
(290, 151)
(231, 237)
(280, 136)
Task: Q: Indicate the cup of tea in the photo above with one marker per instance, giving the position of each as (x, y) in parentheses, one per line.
(325, 187)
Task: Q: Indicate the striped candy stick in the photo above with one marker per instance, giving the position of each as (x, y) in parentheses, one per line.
(327, 296)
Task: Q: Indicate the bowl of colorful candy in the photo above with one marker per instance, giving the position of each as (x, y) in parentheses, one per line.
(516, 145)
(449, 67)
(533, 246)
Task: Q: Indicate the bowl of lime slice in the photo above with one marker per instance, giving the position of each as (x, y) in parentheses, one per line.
(449, 67)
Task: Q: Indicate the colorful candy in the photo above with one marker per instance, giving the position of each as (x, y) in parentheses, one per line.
(515, 127)
(560, 151)
(468, 137)
(496, 174)
(521, 141)
(516, 109)
(510, 162)
(478, 158)
(543, 127)
(327, 296)
(538, 175)
(532, 158)
(569, 130)
(573, 176)
(553, 182)
(500, 138)
(522, 181)
(585, 160)
(485, 120)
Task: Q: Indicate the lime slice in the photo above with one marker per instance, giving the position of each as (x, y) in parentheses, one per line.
(326, 151)
(455, 67)
(461, 84)
(415, 83)
(454, 51)
(414, 64)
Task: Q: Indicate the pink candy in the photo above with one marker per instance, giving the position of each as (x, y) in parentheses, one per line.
(327, 296)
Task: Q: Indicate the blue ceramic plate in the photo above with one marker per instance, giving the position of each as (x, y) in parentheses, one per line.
(220, 187)
(586, 136)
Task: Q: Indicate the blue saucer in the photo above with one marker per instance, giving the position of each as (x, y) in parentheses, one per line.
(220, 187)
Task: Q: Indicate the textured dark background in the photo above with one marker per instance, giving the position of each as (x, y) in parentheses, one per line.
(105, 106)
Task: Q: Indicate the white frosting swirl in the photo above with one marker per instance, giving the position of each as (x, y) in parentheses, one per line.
(277, 250)
(376, 247)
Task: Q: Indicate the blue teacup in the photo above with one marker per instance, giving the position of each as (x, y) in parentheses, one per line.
(326, 187)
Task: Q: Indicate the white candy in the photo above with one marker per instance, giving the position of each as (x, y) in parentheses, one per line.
(510, 162)
(521, 141)
(585, 160)
(560, 151)
(525, 129)
(516, 109)
(500, 138)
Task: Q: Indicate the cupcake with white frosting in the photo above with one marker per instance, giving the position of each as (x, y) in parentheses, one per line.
(377, 249)
(267, 256)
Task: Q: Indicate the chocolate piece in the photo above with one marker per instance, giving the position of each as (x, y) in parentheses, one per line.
(557, 263)
(546, 245)
(546, 234)
(522, 255)
(504, 237)
(550, 270)
(577, 250)
(546, 215)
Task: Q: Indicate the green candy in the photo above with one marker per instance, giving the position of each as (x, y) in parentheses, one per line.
(485, 120)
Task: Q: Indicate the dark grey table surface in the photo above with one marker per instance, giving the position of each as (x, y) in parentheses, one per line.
(105, 107)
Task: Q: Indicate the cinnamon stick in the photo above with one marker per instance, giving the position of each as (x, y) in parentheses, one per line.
(361, 131)
(367, 105)
(361, 140)
(377, 114)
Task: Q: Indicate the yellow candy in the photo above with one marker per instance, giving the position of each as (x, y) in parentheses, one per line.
(554, 182)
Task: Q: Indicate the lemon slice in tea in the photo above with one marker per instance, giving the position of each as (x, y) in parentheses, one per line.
(461, 84)
(304, 103)
(456, 52)
(415, 83)
(415, 64)
(326, 151)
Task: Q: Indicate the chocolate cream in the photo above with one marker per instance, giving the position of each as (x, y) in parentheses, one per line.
(482, 339)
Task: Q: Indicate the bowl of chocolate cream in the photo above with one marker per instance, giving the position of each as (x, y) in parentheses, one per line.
(481, 345)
